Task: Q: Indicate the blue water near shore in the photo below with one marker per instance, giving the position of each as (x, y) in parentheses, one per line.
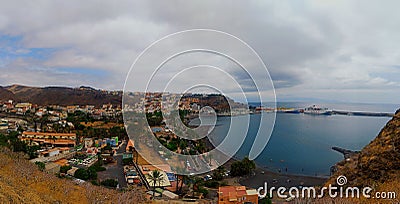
(301, 144)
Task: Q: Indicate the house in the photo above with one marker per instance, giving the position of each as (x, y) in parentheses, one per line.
(130, 146)
(55, 139)
(52, 168)
(237, 194)
(88, 142)
(113, 142)
(72, 171)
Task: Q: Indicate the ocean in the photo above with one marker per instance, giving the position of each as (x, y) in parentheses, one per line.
(302, 144)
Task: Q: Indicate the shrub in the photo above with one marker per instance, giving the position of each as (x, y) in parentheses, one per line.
(40, 165)
(203, 191)
(109, 183)
(242, 168)
(212, 184)
(97, 166)
(81, 174)
(65, 168)
(94, 182)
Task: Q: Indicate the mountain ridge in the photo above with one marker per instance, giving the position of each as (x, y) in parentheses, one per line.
(59, 95)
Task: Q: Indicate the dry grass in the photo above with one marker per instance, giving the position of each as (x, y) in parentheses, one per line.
(376, 166)
(102, 124)
(22, 182)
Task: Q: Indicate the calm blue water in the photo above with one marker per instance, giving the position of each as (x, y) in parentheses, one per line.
(302, 143)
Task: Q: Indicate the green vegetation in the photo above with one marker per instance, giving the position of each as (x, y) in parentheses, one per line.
(198, 185)
(79, 116)
(94, 182)
(156, 177)
(154, 119)
(87, 131)
(109, 183)
(98, 166)
(81, 174)
(212, 184)
(89, 174)
(101, 132)
(127, 161)
(219, 173)
(64, 169)
(242, 168)
(12, 142)
(40, 165)
(265, 200)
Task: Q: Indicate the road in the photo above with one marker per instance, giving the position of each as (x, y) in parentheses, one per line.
(115, 170)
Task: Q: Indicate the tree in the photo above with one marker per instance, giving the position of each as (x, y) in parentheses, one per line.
(248, 165)
(156, 177)
(109, 183)
(65, 168)
(81, 174)
(219, 173)
(31, 150)
(92, 172)
(241, 168)
(40, 165)
(198, 184)
(185, 179)
(265, 200)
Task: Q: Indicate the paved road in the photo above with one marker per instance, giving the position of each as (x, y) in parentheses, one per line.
(115, 170)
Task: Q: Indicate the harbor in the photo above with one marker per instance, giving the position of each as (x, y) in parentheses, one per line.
(316, 110)
(362, 113)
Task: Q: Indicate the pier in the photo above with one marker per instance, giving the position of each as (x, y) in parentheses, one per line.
(346, 153)
(362, 113)
(338, 112)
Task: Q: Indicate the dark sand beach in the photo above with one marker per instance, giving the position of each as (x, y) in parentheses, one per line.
(273, 179)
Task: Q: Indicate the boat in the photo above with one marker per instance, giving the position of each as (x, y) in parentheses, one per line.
(316, 110)
(292, 111)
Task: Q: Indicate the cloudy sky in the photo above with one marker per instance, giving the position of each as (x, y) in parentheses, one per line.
(333, 50)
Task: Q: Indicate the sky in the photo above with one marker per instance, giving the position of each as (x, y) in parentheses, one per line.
(345, 51)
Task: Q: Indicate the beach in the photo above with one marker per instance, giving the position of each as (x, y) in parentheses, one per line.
(261, 176)
(273, 179)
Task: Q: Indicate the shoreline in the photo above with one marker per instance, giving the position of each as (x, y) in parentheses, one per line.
(273, 179)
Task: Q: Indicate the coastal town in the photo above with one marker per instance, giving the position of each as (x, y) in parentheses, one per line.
(89, 144)
(204, 102)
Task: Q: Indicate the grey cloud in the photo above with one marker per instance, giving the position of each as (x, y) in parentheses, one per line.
(309, 45)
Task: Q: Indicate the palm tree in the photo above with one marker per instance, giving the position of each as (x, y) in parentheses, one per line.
(184, 179)
(155, 176)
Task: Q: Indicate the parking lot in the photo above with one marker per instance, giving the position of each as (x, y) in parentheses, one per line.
(115, 170)
(82, 163)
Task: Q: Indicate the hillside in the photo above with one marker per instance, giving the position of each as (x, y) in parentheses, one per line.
(377, 162)
(377, 165)
(59, 95)
(22, 182)
(89, 96)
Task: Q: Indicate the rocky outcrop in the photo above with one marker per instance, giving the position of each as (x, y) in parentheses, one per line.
(378, 162)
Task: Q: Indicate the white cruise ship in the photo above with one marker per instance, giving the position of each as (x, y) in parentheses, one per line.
(316, 110)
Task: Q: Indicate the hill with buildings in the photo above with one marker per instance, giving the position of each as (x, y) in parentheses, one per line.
(84, 95)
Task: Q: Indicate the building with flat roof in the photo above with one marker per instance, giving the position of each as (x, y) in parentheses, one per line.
(55, 139)
(237, 194)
